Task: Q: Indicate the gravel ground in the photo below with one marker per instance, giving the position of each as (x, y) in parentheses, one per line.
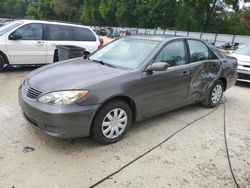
(195, 157)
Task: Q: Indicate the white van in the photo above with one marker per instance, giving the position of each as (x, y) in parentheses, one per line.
(34, 42)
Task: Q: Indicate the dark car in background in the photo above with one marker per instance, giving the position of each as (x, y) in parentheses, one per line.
(128, 80)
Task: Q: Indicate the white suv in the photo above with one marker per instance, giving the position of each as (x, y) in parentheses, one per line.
(34, 42)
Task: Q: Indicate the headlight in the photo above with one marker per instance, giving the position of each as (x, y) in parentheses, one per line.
(62, 97)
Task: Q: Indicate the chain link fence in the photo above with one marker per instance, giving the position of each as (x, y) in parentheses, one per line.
(217, 39)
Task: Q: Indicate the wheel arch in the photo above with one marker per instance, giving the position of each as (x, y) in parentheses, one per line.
(224, 81)
(5, 57)
(124, 98)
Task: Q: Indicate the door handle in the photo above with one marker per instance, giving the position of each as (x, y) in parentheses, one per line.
(184, 74)
(40, 43)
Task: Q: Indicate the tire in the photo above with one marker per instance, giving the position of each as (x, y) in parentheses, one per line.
(2, 63)
(106, 130)
(215, 95)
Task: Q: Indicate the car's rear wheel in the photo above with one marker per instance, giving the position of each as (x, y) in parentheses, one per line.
(215, 95)
(2, 63)
(111, 122)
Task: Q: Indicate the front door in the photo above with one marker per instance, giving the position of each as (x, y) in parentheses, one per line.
(29, 48)
(166, 90)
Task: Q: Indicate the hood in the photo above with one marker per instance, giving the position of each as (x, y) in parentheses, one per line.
(242, 59)
(71, 74)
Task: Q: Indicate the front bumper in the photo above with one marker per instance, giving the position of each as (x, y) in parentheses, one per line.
(243, 74)
(59, 121)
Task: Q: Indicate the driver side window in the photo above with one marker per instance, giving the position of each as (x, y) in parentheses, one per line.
(173, 54)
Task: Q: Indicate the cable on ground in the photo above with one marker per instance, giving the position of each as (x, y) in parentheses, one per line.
(150, 150)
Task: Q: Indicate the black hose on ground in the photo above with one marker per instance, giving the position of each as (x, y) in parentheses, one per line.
(168, 138)
(226, 145)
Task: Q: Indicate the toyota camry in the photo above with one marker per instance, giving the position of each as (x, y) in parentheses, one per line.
(128, 80)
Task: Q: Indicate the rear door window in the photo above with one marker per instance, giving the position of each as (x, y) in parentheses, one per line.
(59, 33)
(83, 34)
(199, 51)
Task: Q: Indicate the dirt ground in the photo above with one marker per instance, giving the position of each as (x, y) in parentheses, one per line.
(195, 157)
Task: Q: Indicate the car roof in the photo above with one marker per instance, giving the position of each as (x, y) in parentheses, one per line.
(157, 37)
(54, 22)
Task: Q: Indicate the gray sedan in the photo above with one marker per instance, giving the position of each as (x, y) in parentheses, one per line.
(128, 80)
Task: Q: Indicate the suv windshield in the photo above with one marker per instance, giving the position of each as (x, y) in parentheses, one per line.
(4, 29)
(244, 50)
(125, 53)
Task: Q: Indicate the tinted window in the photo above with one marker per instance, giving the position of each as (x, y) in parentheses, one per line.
(83, 34)
(59, 32)
(173, 54)
(199, 51)
(30, 32)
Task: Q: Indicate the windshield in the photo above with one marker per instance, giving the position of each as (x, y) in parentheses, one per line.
(243, 50)
(4, 29)
(125, 53)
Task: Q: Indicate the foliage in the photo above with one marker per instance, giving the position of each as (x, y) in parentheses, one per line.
(189, 15)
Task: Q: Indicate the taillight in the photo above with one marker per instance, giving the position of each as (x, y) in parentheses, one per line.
(101, 43)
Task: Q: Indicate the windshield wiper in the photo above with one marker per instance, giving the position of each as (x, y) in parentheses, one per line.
(103, 63)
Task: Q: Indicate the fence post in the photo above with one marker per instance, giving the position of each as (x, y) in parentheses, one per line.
(187, 33)
(215, 38)
(233, 39)
(175, 32)
(201, 35)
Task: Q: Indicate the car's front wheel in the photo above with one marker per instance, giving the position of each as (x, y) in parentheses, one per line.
(215, 95)
(111, 122)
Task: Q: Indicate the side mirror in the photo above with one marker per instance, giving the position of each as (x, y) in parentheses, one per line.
(14, 36)
(158, 66)
(85, 54)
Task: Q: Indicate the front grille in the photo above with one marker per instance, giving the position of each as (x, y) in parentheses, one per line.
(33, 93)
(243, 76)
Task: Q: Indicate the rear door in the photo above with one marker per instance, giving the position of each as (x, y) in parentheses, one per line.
(30, 48)
(57, 35)
(166, 90)
(204, 67)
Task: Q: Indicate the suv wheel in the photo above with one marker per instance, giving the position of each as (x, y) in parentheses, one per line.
(2, 63)
(215, 95)
(111, 122)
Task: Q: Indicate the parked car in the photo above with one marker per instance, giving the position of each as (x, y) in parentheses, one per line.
(34, 42)
(102, 31)
(229, 47)
(243, 56)
(128, 80)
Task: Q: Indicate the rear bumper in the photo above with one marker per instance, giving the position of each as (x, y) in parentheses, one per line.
(58, 121)
(243, 74)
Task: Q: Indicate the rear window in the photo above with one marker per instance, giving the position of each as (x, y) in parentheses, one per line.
(59, 32)
(83, 34)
